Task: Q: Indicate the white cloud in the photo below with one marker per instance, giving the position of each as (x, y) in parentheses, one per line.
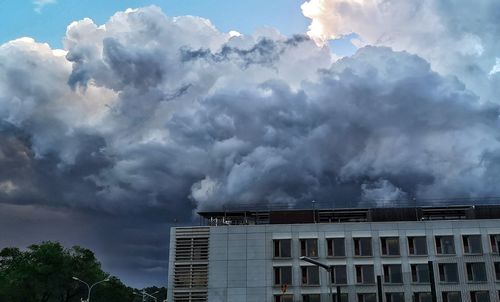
(40, 4)
(152, 110)
(447, 35)
(496, 67)
(7, 187)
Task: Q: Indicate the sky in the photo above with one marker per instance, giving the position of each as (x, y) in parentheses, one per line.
(117, 123)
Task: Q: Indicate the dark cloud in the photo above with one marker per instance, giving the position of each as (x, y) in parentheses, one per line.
(264, 52)
(149, 118)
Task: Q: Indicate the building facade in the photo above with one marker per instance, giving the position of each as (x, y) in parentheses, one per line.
(254, 256)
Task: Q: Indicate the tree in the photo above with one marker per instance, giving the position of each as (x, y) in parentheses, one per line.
(43, 273)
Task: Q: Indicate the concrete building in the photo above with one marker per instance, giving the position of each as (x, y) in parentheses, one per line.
(253, 256)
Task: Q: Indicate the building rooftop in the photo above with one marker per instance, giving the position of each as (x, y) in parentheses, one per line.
(298, 216)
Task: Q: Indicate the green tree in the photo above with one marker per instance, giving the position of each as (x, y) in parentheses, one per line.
(43, 273)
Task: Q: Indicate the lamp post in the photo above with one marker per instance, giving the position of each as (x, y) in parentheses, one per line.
(89, 287)
(328, 268)
(144, 294)
(151, 295)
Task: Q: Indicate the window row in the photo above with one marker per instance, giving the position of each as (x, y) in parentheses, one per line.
(389, 246)
(392, 273)
(449, 296)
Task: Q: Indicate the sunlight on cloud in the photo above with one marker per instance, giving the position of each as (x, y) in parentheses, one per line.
(447, 36)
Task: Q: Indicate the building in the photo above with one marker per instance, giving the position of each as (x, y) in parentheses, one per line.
(253, 256)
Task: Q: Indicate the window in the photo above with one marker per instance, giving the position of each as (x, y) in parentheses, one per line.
(497, 270)
(476, 272)
(495, 243)
(365, 274)
(392, 273)
(339, 274)
(367, 297)
(344, 297)
(472, 244)
(362, 247)
(283, 275)
(451, 296)
(310, 275)
(283, 298)
(311, 298)
(448, 272)
(282, 248)
(480, 296)
(336, 247)
(420, 273)
(390, 246)
(445, 245)
(394, 297)
(309, 247)
(422, 297)
(417, 245)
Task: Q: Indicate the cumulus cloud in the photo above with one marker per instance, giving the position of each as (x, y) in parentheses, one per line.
(443, 32)
(147, 118)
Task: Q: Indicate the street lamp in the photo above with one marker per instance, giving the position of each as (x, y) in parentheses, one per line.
(144, 294)
(151, 295)
(89, 287)
(328, 268)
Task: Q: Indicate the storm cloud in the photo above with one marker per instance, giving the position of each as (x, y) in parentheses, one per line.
(140, 122)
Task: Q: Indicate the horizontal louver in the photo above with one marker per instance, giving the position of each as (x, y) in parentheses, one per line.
(191, 265)
(191, 296)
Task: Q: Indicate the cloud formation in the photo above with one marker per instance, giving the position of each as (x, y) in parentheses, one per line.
(443, 32)
(143, 120)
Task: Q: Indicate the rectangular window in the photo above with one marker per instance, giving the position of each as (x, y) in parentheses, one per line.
(390, 246)
(365, 274)
(309, 247)
(495, 243)
(497, 270)
(448, 272)
(393, 273)
(445, 245)
(472, 244)
(310, 275)
(344, 297)
(363, 247)
(283, 298)
(282, 248)
(283, 275)
(367, 297)
(480, 296)
(311, 298)
(476, 272)
(335, 247)
(339, 274)
(451, 296)
(394, 297)
(417, 246)
(422, 297)
(420, 273)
